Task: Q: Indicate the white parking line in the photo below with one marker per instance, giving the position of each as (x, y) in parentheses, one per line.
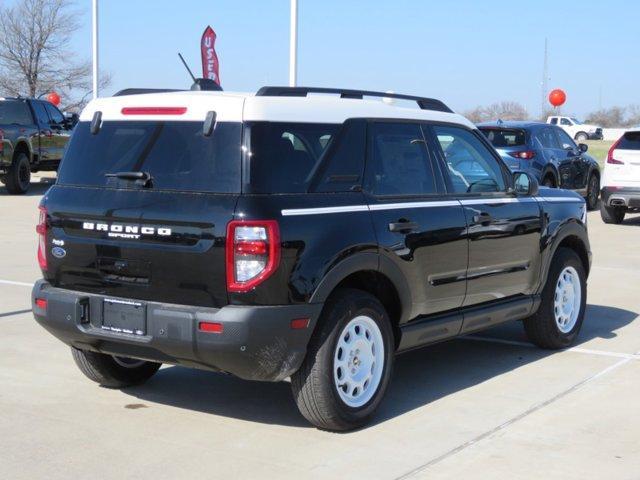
(19, 284)
(513, 420)
(588, 351)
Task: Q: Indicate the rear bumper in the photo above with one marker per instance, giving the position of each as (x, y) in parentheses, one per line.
(256, 343)
(595, 136)
(621, 197)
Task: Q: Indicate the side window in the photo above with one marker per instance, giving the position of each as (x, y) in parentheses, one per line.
(554, 121)
(41, 113)
(398, 162)
(54, 114)
(565, 140)
(565, 121)
(343, 167)
(547, 139)
(471, 165)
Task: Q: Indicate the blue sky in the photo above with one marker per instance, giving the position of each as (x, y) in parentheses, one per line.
(466, 53)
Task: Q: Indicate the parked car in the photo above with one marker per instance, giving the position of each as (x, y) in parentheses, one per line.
(284, 234)
(548, 154)
(578, 130)
(33, 134)
(621, 179)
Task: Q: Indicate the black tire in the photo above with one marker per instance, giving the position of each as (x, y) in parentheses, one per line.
(542, 327)
(18, 178)
(111, 372)
(612, 214)
(549, 181)
(581, 137)
(593, 191)
(313, 385)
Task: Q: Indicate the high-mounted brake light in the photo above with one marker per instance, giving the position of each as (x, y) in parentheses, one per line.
(610, 158)
(41, 230)
(252, 252)
(524, 155)
(154, 110)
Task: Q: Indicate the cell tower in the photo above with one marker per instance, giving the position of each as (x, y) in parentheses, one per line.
(545, 80)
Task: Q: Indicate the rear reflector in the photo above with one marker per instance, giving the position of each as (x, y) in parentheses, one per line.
(299, 323)
(210, 327)
(154, 110)
(41, 303)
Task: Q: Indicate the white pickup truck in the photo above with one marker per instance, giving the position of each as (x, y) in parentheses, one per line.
(579, 131)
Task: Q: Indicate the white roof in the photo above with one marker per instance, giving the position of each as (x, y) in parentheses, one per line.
(237, 107)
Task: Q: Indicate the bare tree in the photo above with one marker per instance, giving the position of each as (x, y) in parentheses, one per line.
(608, 117)
(35, 57)
(495, 111)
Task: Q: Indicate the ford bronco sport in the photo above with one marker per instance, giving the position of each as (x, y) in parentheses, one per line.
(308, 233)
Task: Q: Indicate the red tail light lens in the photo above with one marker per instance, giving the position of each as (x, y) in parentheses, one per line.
(210, 327)
(41, 230)
(1, 140)
(524, 155)
(610, 158)
(253, 253)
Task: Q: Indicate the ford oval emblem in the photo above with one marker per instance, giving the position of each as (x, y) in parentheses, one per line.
(58, 252)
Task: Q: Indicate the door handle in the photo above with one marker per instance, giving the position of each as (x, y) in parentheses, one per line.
(483, 218)
(403, 227)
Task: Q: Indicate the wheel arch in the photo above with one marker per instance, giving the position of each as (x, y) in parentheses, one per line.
(574, 237)
(373, 274)
(22, 147)
(550, 170)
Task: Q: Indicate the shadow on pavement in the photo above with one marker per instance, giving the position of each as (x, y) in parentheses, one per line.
(420, 377)
(36, 188)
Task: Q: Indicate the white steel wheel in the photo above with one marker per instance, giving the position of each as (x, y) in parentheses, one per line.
(567, 299)
(358, 361)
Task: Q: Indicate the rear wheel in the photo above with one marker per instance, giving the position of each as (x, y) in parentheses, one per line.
(612, 214)
(593, 189)
(348, 365)
(18, 178)
(558, 320)
(111, 371)
(582, 136)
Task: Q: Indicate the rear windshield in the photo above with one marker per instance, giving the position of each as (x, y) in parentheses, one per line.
(15, 111)
(630, 141)
(176, 154)
(286, 156)
(502, 137)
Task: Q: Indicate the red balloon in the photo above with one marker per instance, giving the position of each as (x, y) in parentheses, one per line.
(54, 98)
(557, 97)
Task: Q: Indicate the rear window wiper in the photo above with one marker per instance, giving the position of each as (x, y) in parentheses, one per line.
(143, 179)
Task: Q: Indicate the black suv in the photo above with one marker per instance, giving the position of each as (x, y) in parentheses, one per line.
(33, 135)
(284, 234)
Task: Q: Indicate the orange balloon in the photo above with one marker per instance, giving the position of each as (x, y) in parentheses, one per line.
(557, 97)
(54, 98)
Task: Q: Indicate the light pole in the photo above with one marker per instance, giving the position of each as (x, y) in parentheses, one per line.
(94, 42)
(293, 45)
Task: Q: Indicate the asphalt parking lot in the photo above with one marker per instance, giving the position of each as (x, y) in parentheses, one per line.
(489, 406)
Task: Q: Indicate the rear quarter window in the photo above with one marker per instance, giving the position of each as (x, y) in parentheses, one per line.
(630, 141)
(176, 154)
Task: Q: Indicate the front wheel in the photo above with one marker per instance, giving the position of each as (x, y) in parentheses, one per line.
(563, 301)
(112, 371)
(348, 364)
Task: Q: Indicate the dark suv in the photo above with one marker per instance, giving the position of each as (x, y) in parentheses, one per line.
(33, 135)
(548, 153)
(283, 234)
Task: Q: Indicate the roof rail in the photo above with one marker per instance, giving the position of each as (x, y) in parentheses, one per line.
(423, 103)
(141, 91)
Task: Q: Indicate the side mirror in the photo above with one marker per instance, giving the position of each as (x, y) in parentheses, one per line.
(583, 147)
(525, 184)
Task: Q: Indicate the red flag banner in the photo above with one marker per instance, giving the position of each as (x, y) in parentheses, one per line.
(210, 65)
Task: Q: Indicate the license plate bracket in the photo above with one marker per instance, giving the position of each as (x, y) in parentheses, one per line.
(124, 316)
